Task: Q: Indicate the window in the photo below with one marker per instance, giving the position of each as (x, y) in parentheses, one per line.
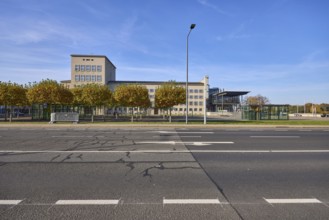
(151, 90)
(195, 91)
(82, 78)
(87, 78)
(88, 68)
(196, 97)
(200, 109)
(200, 97)
(201, 103)
(82, 67)
(200, 91)
(190, 103)
(99, 78)
(77, 67)
(151, 96)
(93, 68)
(93, 78)
(77, 78)
(195, 103)
(191, 97)
(180, 109)
(191, 91)
(195, 109)
(99, 68)
(190, 109)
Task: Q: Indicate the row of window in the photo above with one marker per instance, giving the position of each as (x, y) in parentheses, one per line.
(190, 97)
(190, 109)
(88, 68)
(120, 110)
(190, 91)
(88, 78)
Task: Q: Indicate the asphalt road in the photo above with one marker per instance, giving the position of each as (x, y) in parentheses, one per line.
(144, 173)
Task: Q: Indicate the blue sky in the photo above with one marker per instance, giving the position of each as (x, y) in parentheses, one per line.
(277, 48)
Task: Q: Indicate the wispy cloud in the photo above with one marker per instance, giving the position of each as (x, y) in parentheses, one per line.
(206, 3)
(241, 32)
(93, 11)
(31, 31)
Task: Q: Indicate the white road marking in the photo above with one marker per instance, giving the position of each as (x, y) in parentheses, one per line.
(190, 136)
(186, 143)
(305, 130)
(164, 151)
(87, 202)
(281, 130)
(274, 136)
(292, 201)
(183, 132)
(191, 201)
(64, 136)
(10, 202)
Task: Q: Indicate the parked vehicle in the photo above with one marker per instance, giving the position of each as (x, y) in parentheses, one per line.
(324, 115)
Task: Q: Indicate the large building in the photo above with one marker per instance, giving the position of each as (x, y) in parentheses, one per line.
(99, 69)
(196, 95)
(90, 69)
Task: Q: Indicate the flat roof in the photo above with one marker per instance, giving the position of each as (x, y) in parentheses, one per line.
(88, 55)
(152, 82)
(231, 93)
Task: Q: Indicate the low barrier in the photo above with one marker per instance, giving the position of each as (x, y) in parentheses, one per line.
(64, 117)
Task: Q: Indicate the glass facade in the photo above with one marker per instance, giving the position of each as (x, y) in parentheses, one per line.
(265, 112)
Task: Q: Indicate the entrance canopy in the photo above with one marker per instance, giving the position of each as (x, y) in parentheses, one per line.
(226, 100)
(231, 93)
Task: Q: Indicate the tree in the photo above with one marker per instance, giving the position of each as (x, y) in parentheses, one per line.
(12, 94)
(257, 100)
(92, 94)
(132, 95)
(256, 103)
(50, 92)
(168, 95)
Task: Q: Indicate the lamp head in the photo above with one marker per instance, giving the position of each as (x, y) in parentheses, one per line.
(192, 26)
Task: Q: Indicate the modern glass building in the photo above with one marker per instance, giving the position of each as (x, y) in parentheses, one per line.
(265, 112)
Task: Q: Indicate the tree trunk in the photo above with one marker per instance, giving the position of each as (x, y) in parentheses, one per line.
(11, 114)
(132, 115)
(92, 115)
(170, 115)
(5, 112)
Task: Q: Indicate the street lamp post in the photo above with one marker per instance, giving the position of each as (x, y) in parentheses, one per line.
(186, 87)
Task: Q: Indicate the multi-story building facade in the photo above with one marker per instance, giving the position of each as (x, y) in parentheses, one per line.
(90, 69)
(196, 96)
(99, 69)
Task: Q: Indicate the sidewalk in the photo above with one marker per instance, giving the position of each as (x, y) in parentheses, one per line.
(141, 125)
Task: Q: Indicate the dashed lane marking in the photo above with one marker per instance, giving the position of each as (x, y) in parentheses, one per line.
(274, 136)
(65, 136)
(186, 143)
(10, 202)
(293, 201)
(87, 202)
(183, 132)
(191, 201)
(190, 136)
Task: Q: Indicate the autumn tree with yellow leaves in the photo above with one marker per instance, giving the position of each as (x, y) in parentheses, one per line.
(132, 95)
(168, 95)
(12, 94)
